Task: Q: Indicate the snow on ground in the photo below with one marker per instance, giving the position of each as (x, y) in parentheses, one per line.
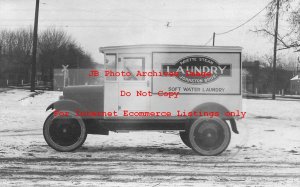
(266, 152)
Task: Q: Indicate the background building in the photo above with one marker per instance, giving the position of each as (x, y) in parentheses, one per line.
(295, 85)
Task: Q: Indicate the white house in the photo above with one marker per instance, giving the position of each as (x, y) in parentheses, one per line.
(295, 85)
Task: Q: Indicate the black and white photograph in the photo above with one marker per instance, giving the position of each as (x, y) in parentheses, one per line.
(152, 93)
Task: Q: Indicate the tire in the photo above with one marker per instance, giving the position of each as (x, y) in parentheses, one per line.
(209, 136)
(65, 133)
(184, 135)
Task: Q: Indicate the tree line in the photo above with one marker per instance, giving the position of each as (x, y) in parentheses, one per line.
(55, 48)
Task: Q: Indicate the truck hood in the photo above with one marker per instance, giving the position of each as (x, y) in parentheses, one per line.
(91, 97)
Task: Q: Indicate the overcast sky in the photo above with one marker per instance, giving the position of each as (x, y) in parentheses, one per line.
(95, 23)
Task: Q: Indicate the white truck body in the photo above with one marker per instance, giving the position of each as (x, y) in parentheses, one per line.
(205, 80)
(224, 88)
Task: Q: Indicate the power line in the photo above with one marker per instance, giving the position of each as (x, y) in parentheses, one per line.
(208, 40)
(80, 26)
(245, 21)
(119, 20)
(102, 26)
(131, 13)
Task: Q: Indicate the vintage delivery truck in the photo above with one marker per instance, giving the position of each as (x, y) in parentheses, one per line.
(195, 90)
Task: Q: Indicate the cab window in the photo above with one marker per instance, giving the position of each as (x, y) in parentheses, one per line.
(133, 65)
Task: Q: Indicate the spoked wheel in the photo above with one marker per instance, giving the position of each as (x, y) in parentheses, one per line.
(65, 133)
(184, 135)
(209, 136)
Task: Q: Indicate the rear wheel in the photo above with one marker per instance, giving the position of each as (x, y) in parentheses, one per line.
(184, 135)
(65, 133)
(209, 136)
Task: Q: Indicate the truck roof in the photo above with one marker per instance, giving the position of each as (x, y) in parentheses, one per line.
(168, 48)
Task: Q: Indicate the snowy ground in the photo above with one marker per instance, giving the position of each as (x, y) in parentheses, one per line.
(266, 152)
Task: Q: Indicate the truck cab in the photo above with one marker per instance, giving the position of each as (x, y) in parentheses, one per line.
(184, 88)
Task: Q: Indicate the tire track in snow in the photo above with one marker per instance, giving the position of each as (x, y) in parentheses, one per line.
(132, 170)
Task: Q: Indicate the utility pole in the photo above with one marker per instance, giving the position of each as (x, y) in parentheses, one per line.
(214, 36)
(275, 51)
(34, 47)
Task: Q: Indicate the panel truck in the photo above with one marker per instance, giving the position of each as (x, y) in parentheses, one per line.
(195, 90)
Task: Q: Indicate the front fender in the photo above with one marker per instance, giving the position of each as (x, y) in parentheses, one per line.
(92, 125)
(65, 104)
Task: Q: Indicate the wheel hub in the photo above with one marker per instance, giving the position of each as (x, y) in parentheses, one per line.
(209, 135)
(65, 132)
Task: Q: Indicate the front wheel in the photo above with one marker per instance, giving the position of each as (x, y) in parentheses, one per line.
(209, 136)
(65, 133)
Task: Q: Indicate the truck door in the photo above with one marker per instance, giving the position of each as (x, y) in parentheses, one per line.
(137, 86)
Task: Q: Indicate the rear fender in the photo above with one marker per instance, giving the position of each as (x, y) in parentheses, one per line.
(215, 107)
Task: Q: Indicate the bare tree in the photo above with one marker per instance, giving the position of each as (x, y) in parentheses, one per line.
(55, 47)
(50, 41)
(15, 52)
(290, 12)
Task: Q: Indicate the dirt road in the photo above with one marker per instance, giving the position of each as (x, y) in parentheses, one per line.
(164, 161)
(266, 152)
(151, 166)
